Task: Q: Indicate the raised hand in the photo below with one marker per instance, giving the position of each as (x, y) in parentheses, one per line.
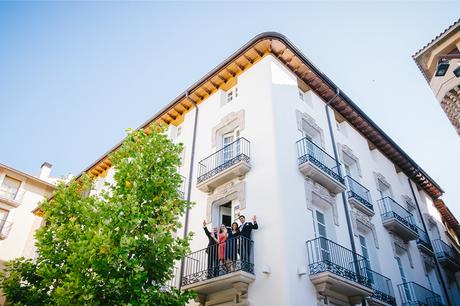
(254, 218)
(204, 223)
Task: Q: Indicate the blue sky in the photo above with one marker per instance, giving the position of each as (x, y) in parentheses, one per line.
(75, 75)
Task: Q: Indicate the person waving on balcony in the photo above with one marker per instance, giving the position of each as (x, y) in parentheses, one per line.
(245, 231)
(211, 250)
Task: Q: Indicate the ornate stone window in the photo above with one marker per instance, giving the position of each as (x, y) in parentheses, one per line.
(350, 161)
(234, 192)
(410, 204)
(382, 185)
(231, 122)
(318, 196)
(400, 248)
(362, 223)
(307, 125)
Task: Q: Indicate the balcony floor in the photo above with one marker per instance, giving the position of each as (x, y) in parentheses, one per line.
(318, 175)
(400, 229)
(220, 283)
(330, 284)
(238, 169)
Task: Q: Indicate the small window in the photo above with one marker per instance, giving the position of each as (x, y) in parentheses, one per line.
(179, 131)
(229, 96)
(9, 188)
(232, 94)
(300, 95)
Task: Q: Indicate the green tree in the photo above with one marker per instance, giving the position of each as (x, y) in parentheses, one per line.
(117, 247)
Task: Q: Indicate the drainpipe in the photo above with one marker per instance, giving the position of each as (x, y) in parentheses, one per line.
(189, 187)
(344, 198)
(437, 265)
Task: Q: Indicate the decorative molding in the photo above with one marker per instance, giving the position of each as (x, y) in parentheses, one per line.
(346, 152)
(319, 196)
(228, 123)
(379, 178)
(410, 203)
(400, 247)
(363, 223)
(234, 190)
(304, 117)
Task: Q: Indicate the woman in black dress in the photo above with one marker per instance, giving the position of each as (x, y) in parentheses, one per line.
(232, 245)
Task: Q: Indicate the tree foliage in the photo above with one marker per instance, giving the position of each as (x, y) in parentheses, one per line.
(116, 247)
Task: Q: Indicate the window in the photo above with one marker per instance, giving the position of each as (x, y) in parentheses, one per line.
(384, 189)
(365, 253)
(320, 231)
(3, 217)
(403, 278)
(232, 94)
(179, 131)
(231, 147)
(9, 188)
(300, 95)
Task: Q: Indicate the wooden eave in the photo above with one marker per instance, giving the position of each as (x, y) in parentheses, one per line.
(224, 76)
(446, 214)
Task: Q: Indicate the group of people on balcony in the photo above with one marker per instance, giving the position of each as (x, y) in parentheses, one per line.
(230, 247)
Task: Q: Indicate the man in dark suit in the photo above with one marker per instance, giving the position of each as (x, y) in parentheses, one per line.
(211, 250)
(245, 231)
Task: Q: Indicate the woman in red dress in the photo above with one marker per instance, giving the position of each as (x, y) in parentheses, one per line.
(223, 236)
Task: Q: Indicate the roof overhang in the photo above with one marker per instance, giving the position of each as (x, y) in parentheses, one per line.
(281, 48)
(427, 57)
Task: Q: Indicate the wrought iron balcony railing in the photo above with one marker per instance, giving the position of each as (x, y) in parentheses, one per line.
(359, 192)
(236, 254)
(423, 239)
(324, 255)
(231, 154)
(389, 208)
(413, 294)
(383, 288)
(309, 151)
(5, 227)
(444, 251)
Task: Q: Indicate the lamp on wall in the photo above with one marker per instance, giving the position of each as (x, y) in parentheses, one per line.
(457, 72)
(443, 66)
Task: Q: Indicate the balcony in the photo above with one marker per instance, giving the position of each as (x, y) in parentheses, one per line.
(5, 228)
(219, 267)
(337, 272)
(230, 162)
(397, 219)
(316, 164)
(359, 196)
(447, 256)
(423, 242)
(412, 294)
(11, 197)
(383, 289)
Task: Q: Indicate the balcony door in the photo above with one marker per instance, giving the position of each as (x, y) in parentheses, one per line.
(3, 217)
(367, 262)
(230, 149)
(319, 221)
(407, 291)
(314, 137)
(385, 191)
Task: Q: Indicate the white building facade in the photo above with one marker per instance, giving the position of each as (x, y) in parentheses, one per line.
(20, 194)
(344, 215)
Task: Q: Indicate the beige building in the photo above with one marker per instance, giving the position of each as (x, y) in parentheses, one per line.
(439, 62)
(20, 194)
